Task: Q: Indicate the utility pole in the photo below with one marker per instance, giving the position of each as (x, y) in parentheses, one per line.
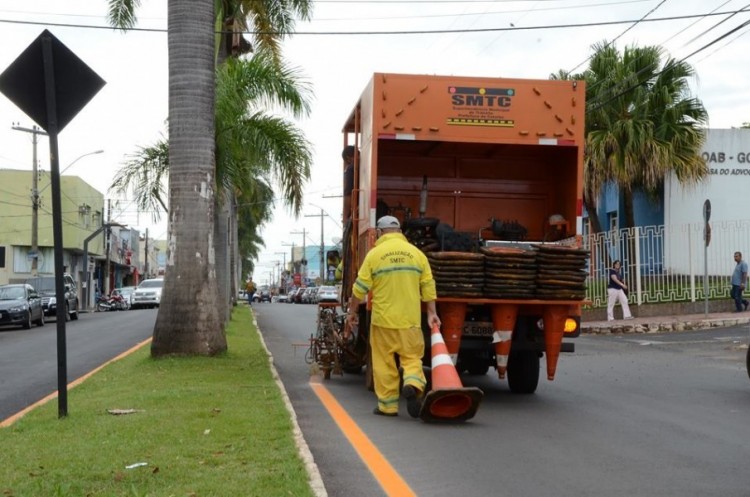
(323, 270)
(107, 243)
(283, 269)
(304, 254)
(35, 131)
(145, 266)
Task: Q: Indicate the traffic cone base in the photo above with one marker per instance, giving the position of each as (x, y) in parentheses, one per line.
(451, 405)
(448, 401)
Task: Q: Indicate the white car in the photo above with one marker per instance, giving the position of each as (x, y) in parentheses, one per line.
(328, 294)
(148, 293)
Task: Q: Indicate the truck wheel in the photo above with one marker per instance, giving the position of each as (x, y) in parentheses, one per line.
(40, 321)
(523, 371)
(476, 368)
(67, 313)
(74, 315)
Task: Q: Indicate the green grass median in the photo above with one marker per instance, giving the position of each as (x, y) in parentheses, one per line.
(202, 426)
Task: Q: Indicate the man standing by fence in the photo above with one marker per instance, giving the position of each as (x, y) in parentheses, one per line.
(739, 279)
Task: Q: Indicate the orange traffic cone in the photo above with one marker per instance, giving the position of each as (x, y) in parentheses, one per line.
(452, 315)
(448, 400)
(503, 320)
(554, 327)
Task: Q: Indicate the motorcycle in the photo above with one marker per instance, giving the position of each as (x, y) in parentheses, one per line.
(114, 302)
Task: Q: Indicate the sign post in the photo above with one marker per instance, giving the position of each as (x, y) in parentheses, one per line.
(51, 85)
(707, 239)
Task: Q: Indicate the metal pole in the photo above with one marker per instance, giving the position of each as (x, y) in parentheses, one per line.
(35, 132)
(107, 243)
(706, 241)
(57, 231)
(323, 270)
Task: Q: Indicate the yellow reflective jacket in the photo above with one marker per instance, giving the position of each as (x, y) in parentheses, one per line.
(398, 274)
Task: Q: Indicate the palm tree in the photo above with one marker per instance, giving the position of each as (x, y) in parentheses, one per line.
(264, 12)
(188, 321)
(269, 21)
(254, 149)
(642, 123)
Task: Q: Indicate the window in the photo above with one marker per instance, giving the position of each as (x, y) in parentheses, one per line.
(613, 223)
(2, 256)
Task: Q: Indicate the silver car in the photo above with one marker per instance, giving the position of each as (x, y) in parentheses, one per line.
(328, 294)
(148, 294)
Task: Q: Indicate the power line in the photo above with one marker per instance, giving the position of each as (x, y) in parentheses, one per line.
(632, 87)
(404, 32)
(621, 34)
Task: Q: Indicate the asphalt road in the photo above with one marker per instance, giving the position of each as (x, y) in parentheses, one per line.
(627, 415)
(28, 358)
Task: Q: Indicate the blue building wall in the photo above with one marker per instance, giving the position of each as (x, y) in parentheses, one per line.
(648, 211)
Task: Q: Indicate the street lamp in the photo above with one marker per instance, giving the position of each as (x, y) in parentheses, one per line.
(71, 164)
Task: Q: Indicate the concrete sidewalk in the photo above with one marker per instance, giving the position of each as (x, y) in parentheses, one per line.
(653, 324)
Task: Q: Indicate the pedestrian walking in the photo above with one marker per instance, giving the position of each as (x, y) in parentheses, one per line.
(617, 292)
(250, 289)
(399, 277)
(739, 279)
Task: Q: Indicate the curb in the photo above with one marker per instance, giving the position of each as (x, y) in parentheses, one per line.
(316, 480)
(661, 326)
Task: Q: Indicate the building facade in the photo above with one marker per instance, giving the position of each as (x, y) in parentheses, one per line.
(97, 266)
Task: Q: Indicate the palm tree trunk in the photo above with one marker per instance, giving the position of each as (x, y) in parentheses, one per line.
(596, 225)
(627, 197)
(188, 322)
(222, 238)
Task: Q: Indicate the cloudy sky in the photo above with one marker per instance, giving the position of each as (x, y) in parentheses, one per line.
(339, 50)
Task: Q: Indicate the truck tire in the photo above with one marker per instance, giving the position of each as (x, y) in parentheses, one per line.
(477, 368)
(523, 371)
(74, 314)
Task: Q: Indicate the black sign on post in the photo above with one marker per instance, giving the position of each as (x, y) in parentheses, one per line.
(51, 85)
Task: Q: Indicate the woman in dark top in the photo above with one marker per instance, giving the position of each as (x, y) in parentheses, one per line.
(616, 288)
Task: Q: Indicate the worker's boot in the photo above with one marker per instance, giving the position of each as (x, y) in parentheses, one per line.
(413, 400)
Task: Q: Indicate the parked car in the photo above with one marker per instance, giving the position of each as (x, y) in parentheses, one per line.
(45, 287)
(282, 297)
(308, 296)
(262, 295)
(328, 294)
(20, 305)
(127, 294)
(148, 293)
(297, 298)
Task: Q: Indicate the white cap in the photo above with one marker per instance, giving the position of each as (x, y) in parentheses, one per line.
(386, 222)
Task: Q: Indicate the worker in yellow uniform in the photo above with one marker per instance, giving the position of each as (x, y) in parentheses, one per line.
(399, 276)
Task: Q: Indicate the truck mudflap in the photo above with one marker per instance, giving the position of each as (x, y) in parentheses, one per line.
(555, 319)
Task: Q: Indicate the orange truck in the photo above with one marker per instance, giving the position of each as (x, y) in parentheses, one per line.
(473, 166)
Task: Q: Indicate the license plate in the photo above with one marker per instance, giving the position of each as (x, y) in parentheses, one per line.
(478, 329)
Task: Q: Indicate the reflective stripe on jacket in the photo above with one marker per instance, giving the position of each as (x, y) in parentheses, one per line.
(398, 274)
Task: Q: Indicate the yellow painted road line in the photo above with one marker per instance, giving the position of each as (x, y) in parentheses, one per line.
(381, 469)
(9, 421)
